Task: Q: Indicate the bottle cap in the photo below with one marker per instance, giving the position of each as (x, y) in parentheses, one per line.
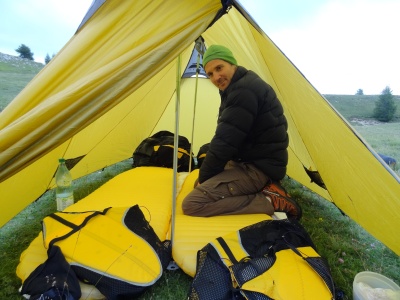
(61, 160)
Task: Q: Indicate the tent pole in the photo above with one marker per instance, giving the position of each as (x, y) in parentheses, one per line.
(199, 46)
(194, 110)
(176, 140)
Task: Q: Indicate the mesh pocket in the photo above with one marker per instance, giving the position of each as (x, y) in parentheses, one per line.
(246, 271)
(212, 279)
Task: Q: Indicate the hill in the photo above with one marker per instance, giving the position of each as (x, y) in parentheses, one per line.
(15, 73)
(358, 106)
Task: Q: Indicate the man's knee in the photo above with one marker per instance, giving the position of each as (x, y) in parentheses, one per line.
(187, 207)
(192, 208)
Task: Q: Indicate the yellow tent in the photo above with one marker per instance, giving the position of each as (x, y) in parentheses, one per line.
(114, 84)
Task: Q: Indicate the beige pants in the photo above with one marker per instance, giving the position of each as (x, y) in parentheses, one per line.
(234, 191)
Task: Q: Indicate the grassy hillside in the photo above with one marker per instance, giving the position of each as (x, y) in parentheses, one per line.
(15, 73)
(358, 110)
(358, 106)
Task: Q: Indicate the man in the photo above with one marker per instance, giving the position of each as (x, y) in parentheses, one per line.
(248, 155)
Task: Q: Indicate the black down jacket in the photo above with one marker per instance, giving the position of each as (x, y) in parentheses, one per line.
(251, 128)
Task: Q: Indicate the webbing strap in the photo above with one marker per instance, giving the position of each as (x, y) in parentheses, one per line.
(74, 227)
(230, 249)
(180, 150)
(227, 250)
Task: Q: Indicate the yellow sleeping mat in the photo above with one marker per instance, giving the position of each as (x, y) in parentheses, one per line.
(193, 233)
(148, 187)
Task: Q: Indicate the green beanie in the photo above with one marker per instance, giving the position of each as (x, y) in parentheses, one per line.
(218, 52)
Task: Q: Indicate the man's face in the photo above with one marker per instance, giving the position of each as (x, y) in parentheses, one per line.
(220, 72)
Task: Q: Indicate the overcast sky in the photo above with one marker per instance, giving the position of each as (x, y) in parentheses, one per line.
(339, 45)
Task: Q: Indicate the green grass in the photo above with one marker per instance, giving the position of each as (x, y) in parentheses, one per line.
(15, 73)
(347, 247)
(383, 138)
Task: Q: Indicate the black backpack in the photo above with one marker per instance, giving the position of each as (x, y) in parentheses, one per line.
(261, 261)
(52, 279)
(158, 151)
(201, 155)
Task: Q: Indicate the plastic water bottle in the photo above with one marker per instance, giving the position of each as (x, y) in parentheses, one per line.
(64, 190)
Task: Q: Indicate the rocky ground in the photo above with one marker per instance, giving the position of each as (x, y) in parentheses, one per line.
(364, 122)
(18, 61)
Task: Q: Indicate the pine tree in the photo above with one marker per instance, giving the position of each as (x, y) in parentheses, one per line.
(385, 107)
(24, 52)
(47, 59)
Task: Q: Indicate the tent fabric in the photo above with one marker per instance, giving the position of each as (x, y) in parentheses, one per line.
(115, 77)
(113, 84)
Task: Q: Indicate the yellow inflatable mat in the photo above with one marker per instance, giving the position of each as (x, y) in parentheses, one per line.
(192, 233)
(149, 187)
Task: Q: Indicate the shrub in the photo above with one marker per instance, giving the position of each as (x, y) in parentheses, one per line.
(385, 107)
(24, 52)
